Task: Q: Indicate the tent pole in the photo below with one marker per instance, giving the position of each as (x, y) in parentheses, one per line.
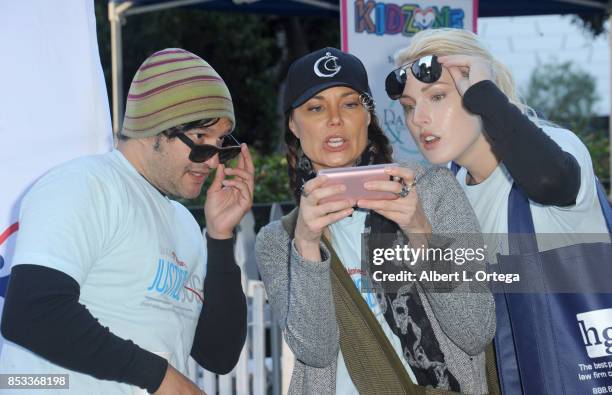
(163, 6)
(116, 20)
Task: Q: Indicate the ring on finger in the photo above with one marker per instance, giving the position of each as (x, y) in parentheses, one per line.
(303, 192)
(406, 188)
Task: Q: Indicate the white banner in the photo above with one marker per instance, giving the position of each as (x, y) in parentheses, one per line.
(53, 102)
(374, 30)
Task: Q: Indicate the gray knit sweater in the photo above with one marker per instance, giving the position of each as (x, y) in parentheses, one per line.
(300, 294)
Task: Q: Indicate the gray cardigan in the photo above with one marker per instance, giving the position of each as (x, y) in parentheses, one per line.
(299, 292)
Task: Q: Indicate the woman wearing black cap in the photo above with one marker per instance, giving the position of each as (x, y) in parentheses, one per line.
(430, 333)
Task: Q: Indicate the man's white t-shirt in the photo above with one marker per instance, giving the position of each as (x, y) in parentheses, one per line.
(490, 202)
(139, 258)
(346, 241)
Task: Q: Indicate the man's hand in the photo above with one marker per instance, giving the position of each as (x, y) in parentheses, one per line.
(227, 200)
(175, 383)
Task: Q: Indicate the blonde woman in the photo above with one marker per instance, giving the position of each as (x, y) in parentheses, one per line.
(461, 106)
(472, 116)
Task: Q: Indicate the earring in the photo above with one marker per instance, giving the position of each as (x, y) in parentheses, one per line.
(367, 101)
(303, 163)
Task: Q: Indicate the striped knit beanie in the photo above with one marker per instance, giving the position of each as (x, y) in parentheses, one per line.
(173, 87)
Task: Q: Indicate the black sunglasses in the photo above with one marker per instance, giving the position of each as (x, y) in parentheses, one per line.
(203, 152)
(426, 69)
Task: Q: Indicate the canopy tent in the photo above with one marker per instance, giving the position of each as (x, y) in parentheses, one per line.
(540, 7)
(119, 10)
(331, 7)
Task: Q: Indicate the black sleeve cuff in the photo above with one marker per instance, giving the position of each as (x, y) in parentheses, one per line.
(147, 370)
(221, 329)
(221, 255)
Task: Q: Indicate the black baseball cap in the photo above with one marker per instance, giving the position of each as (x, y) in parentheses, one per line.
(322, 69)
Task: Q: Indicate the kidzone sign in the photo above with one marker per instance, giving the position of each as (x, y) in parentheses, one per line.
(407, 19)
(375, 30)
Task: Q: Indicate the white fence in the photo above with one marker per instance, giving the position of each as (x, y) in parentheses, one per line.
(254, 373)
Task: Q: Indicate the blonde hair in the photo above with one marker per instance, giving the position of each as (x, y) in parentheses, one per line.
(450, 41)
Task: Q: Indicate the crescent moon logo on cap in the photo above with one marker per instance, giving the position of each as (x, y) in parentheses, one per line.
(327, 66)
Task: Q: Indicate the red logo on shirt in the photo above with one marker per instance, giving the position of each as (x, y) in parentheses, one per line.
(9, 231)
(178, 261)
(182, 264)
(356, 271)
(4, 237)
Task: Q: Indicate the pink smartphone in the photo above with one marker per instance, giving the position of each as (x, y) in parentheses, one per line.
(354, 178)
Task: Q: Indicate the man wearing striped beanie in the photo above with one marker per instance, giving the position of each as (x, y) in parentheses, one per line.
(112, 284)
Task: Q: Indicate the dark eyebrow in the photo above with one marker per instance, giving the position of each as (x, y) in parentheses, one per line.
(425, 88)
(345, 94)
(207, 133)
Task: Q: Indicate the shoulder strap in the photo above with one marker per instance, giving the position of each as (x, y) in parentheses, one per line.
(373, 364)
(605, 204)
(289, 221)
(370, 358)
(454, 167)
(491, 370)
(521, 231)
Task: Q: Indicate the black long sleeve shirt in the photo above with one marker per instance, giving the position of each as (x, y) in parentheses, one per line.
(42, 313)
(547, 174)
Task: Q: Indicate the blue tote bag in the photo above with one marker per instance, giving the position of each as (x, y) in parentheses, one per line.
(546, 342)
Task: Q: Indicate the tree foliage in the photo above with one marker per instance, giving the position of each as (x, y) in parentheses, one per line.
(592, 23)
(251, 52)
(566, 95)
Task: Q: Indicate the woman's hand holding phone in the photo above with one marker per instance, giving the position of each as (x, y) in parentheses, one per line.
(406, 211)
(313, 217)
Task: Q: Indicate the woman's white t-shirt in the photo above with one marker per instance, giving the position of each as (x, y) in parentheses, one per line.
(346, 241)
(490, 202)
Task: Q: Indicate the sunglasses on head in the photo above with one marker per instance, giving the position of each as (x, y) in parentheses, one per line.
(426, 69)
(203, 152)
